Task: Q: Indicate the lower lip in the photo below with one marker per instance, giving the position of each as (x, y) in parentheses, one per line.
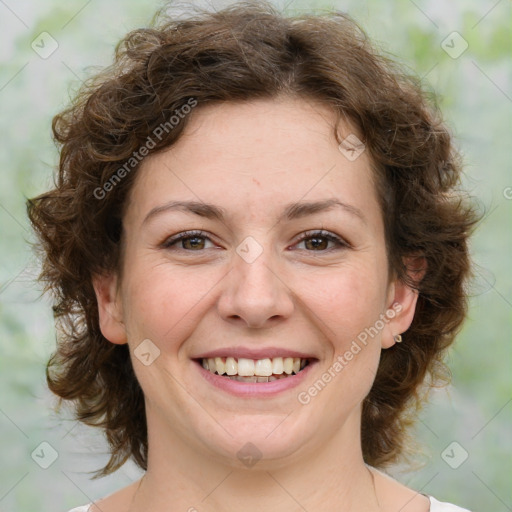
(255, 389)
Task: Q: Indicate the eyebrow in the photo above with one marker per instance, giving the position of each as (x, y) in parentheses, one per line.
(291, 211)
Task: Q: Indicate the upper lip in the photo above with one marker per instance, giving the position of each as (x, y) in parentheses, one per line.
(252, 353)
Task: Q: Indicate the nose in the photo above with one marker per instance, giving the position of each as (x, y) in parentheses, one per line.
(255, 293)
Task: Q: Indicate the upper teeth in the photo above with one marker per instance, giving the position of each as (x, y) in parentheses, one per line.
(250, 367)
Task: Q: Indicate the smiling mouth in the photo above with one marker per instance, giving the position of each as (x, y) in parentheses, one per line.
(254, 370)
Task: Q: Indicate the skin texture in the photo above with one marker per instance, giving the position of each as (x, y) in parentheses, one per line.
(252, 159)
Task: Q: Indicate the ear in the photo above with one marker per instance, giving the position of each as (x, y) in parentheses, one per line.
(402, 300)
(109, 308)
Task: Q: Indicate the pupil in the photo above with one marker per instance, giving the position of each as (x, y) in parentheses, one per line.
(315, 242)
(193, 241)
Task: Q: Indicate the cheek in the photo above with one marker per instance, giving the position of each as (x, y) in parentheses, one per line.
(163, 304)
(355, 306)
(347, 300)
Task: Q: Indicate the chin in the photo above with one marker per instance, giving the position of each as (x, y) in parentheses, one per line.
(266, 440)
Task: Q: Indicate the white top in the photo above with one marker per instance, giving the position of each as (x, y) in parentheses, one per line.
(438, 506)
(435, 506)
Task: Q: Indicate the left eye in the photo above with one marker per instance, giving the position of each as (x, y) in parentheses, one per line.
(315, 241)
(319, 240)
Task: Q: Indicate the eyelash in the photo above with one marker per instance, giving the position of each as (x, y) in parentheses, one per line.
(167, 244)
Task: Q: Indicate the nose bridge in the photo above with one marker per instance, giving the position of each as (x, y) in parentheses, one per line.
(254, 269)
(255, 293)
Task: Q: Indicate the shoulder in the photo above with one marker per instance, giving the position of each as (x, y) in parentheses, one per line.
(397, 496)
(438, 506)
(118, 500)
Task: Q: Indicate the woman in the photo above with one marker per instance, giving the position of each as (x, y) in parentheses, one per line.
(259, 257)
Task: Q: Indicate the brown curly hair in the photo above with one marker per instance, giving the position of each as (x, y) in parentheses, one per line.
(248, 51)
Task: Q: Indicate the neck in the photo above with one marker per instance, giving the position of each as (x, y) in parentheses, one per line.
(332, 476)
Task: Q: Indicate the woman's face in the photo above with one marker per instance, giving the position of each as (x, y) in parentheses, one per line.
(250, 287)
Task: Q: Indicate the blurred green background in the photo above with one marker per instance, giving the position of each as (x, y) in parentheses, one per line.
(475, 94)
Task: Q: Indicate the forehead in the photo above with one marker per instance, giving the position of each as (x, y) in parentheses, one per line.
(255, 156)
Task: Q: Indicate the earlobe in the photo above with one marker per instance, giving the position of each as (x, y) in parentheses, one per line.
(400, 314)
(110, 311)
